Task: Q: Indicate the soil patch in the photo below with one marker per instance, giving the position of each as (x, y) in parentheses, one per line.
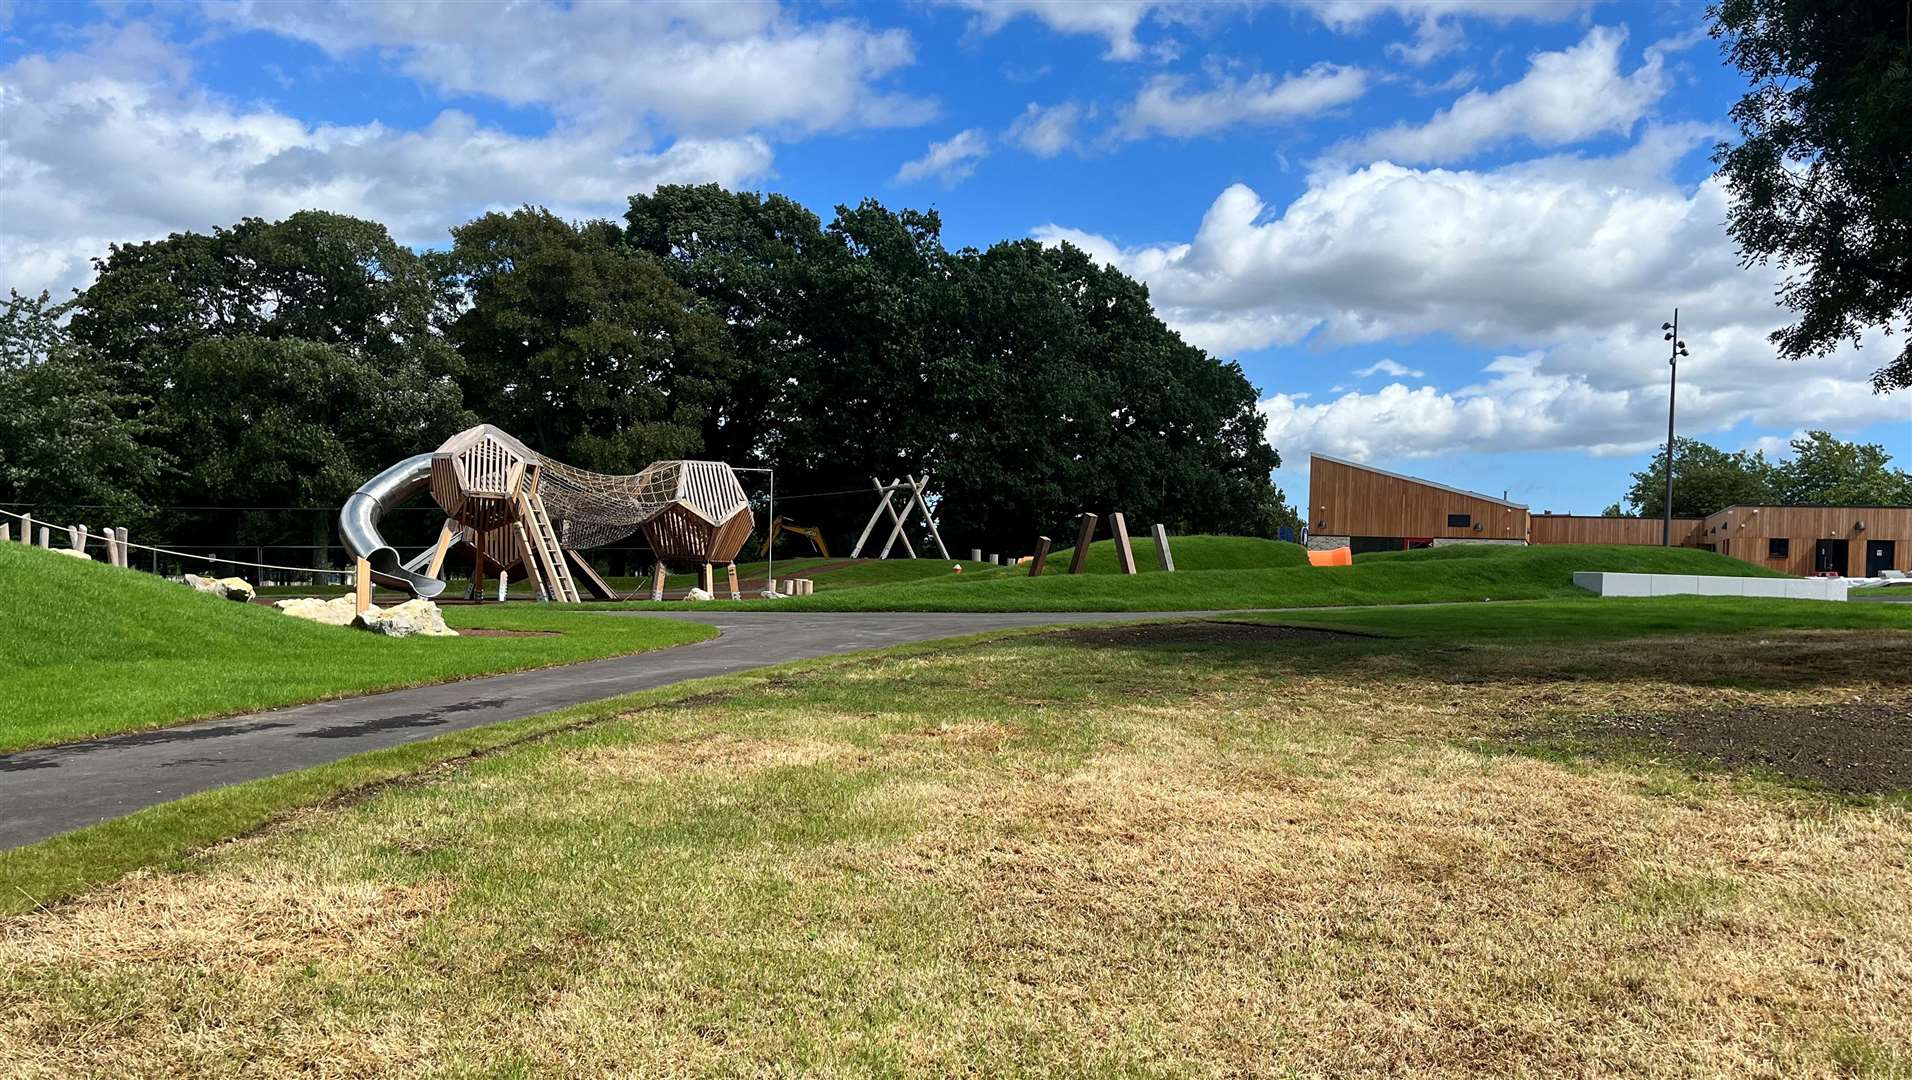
(1854, 747)
(1206, 632)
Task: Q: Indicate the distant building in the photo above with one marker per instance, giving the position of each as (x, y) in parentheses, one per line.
(1369, 509)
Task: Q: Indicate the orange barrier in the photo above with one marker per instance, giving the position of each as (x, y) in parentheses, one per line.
(1332, 557)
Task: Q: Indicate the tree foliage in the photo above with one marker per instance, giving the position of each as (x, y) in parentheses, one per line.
(1822, 471)
(1821, 179)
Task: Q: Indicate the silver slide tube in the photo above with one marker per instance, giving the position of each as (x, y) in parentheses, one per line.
(358, 524)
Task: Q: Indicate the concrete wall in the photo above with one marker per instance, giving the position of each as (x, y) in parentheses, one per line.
(1328, 543)
(1606, 584)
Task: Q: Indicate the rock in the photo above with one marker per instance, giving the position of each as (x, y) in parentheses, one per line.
(71, 554)
(697, 594)
(334, 612)
(413, 617)
(771, 594)
(231, 588)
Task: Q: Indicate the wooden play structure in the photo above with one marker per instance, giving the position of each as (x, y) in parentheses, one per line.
(1085, 535)
(914, 489)
(524, 515)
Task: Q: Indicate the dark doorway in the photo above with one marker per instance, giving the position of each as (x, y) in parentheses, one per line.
(1363, 545)
(1830, 557)
(1879, 556)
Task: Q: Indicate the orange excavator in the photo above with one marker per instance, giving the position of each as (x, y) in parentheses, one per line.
(808, 532)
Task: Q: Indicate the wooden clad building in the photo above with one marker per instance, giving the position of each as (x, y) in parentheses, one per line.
(1376, 510)
(1593, 529)
(1851, 541)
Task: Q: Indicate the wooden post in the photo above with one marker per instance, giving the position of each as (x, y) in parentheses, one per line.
(445, 534)
(1085, 534)
(362, 588)
(1161, 548)
(707, 579)
(46, 538)
(1042, 557)
(896, 527)
(975, 554)
(995, 560)
(111, 540)
(1124, 554)
(916, 487)
(26, 528)
(6, 532)
(126, 553)
(736, 592)
(478, 565)
(77, 534)
(657, 580)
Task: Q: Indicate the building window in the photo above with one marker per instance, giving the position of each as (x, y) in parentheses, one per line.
(1778, 547)
(1459, 521)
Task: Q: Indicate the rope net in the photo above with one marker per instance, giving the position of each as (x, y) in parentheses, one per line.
(591, 509)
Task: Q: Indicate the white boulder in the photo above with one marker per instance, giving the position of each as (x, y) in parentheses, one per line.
(413, 617)
(71, 554)
(231, 588)
(334, 612)
(697, 594)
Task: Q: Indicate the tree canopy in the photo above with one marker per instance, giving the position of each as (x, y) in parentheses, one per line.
(282, 363)
(1821, 471)
(1821, 179)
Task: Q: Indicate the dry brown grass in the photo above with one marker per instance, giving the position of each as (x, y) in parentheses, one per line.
(1042, 859)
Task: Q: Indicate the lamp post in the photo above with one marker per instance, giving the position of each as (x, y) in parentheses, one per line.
(1672, 330)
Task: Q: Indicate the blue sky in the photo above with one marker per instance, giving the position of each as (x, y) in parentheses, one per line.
(1439, 235)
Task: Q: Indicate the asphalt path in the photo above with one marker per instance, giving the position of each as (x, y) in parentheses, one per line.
(56, 789)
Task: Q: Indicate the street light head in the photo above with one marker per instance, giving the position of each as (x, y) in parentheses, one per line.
(1666, 326)
(1666, 337)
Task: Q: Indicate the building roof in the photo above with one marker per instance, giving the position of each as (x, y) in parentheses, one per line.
(1423, 483)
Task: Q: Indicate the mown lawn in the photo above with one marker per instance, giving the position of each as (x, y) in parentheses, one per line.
(89, 650)
(1189, 849)
(1431, 575)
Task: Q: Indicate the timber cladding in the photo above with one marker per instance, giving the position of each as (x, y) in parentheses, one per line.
(1345, 499)
(1586, 529)
(1804, 540)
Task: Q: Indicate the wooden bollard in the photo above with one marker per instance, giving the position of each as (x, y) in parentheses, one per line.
(77, 534)
(975, 554)
(1041, 558)
(6, 532)
(707, 579)
(126, 552)
(362, 587)
(1124, 554)
(26, 528)
(736, 592)
(657, 582)
(1085, 534)
(46, 538)
(1161, 548)
(995, 560)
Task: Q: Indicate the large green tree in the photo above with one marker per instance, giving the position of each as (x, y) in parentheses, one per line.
(1821, 178)
(273, 364)
(1826, 471)
(580, 343)
(69, 441)
(1705, 479)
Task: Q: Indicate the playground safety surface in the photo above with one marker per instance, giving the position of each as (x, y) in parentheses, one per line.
(55, 789)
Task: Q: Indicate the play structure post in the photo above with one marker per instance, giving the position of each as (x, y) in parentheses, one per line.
(1161, 548)
(736, 591)
(1124, 554)
(657, 580)
(445, 535)
(707, 579)
(1085, 534)
(478, 565)
(917, 486)
(896, 521)
(361, 587)
(1041, 558)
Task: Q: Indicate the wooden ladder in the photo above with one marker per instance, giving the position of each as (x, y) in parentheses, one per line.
(544, 547)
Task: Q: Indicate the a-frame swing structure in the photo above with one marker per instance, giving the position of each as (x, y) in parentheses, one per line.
(913, 489)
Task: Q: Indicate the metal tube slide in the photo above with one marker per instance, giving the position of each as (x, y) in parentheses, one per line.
(358, 524)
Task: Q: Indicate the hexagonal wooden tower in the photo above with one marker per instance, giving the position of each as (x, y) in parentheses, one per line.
(705, 516)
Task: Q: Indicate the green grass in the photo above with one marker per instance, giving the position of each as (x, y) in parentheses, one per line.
(1432, 575)
(1617, 617)
(89, 650)
(1043, 855)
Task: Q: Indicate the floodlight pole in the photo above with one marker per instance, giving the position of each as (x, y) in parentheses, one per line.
(1678, 349)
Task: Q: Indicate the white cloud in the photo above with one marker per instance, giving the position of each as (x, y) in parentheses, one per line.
(1437, 23)
(1565, 97)
(1567, 262)
(1167, 106)
(1115, 21)
(116, 144)
(1434, 38)
(695, 68)
(1046, 131)
(950, 161)
(1390, 368)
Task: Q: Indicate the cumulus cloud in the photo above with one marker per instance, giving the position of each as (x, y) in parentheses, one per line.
(1567, 262)
(694, 68)
(1114, 21)
(116, 144)
(1046, 131)
(1167, 105)
(1390, 368)
(950, 161)
(1565, 97)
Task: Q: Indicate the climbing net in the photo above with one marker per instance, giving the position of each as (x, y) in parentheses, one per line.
(591, 509)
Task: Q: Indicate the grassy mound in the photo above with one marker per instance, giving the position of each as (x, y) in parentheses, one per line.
(88, 649)
(1191, 553)
(1432, 575)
